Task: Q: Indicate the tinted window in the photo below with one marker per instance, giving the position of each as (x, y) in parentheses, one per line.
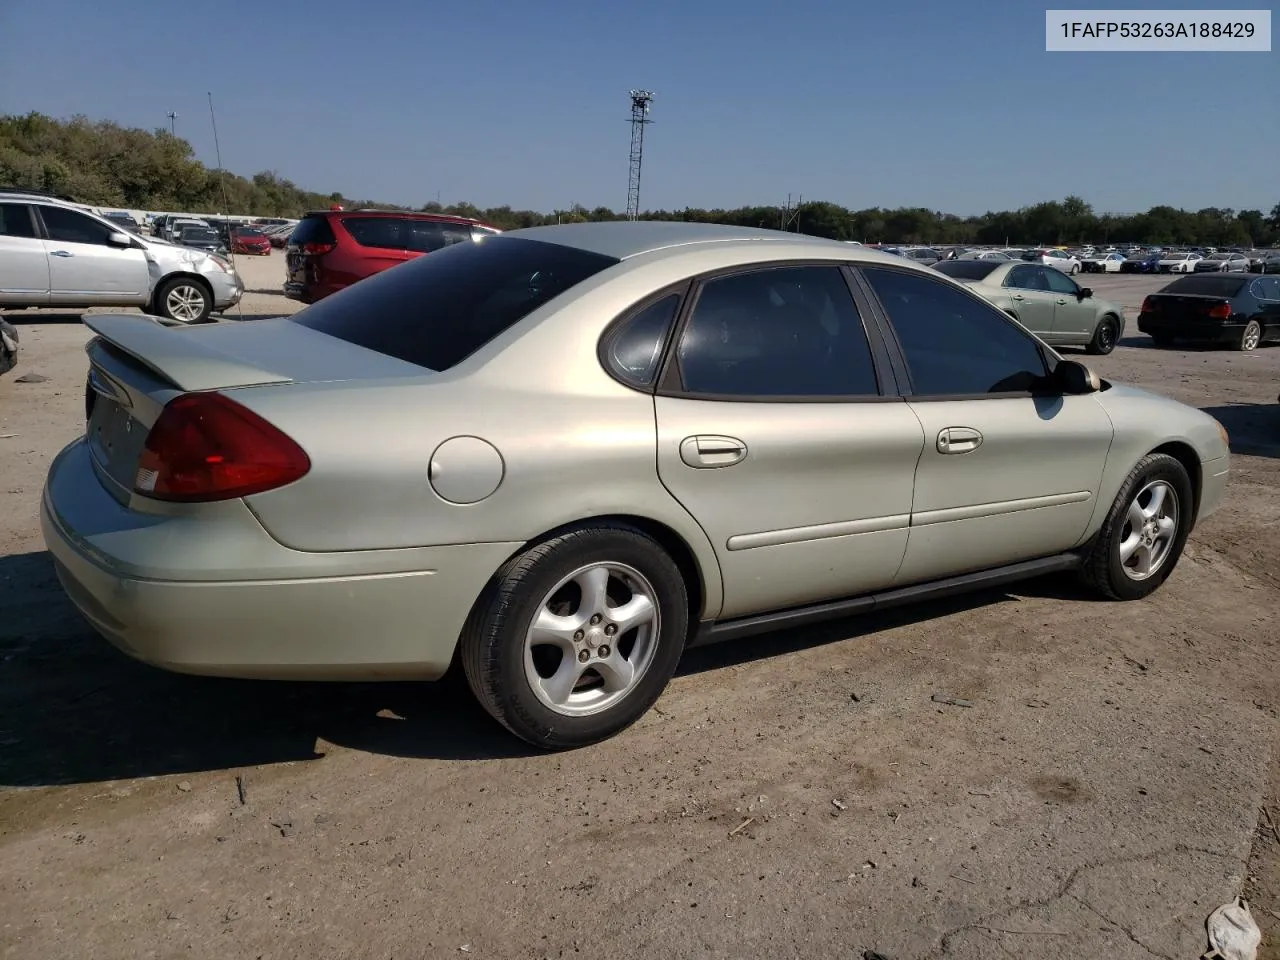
(394, 233)
(1267, 288)
(67, 226)
(967, 269)
(1027, 277)
(312, 230)
(436, 311)
(1059, 282)
(954, 343)
(1208, 284)
(785, 332)
(15, 220)
(634, 350)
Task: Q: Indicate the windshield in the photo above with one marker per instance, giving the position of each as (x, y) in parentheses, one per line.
(1218, 256)
(436, 311)
(246, 232)
(198, 233)
(967, 269)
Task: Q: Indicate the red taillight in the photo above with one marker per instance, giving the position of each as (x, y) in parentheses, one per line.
(316, 249)
(205, 446)
(1150, 306)
(1220, 311)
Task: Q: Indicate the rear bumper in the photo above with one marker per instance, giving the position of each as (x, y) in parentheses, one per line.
(1212, 331)
(216, 595)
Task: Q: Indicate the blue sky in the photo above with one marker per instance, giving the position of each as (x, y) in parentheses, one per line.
(949, 105)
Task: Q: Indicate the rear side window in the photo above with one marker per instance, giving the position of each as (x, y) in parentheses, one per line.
(436, 311)
(634, 350)
(967, 269)
(312, 230)
(15, 221)
(1207, 284)
(395, 233)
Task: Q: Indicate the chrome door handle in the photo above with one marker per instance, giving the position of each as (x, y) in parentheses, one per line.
(712, 451)
(1017, 296)
(61, 253)
(1060, 301)
(959, 440)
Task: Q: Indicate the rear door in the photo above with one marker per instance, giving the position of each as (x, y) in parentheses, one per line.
(1028, 288)
(86, 270)
(775, 436)
(24, 264)
(1007, 473)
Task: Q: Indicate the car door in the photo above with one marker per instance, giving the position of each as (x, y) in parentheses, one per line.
(1266, 290)
(775, 435)
(85, 269)
(1028, 286)
(1073, 318)
(24, 265)
(1008, 472)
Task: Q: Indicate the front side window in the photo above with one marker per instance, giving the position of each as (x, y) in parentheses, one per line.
(67, 226)
(779, 332)
(1059, 282)
(436, 311)
(955, 344)
(15, 221)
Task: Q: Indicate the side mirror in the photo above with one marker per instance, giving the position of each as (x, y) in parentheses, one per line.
(1085, 293)
(119, 240)
(1074, 378)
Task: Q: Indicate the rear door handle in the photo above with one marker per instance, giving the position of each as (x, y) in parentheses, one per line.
(712, 451)
(959, 440)
(61, 253)
(1060, 302)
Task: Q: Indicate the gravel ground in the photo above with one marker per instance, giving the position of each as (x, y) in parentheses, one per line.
(792, 795)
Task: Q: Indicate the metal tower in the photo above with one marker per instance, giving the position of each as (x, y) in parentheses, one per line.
(640, 105)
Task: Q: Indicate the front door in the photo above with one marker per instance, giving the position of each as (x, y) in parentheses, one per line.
(1074, 319)
(773, 434)
(86, 270)
(1028, 288)
(24, 266)
(1006, 473)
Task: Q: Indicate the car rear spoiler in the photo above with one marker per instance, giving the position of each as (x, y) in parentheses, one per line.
(181, 356)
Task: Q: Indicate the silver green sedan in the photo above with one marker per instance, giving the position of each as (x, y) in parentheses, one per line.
(1044, 300)
(560, 456)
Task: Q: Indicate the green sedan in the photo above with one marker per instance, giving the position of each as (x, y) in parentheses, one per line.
(1044, 300)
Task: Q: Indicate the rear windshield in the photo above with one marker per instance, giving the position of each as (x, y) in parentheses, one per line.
(1207, 284)
(436, 311)
(395, 233)
(967, 269)
(312, 230)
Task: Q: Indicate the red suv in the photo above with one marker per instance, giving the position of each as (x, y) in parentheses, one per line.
(332, 249)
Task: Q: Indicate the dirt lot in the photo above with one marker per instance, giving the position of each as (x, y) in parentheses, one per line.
(793, 795)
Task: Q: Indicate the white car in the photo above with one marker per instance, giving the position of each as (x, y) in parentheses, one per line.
(1103, 263)
(1053, 257)
(1179, 262)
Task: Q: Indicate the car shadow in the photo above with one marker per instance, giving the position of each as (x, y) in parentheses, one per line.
(1144, 342)
(75, 710)
(23, 317)
(1254, 428)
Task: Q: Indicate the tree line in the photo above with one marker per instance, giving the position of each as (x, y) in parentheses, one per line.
(104, 164)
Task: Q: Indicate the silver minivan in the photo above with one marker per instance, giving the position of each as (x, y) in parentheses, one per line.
(56, 254)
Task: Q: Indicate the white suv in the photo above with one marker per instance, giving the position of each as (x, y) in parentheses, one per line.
(55, 254)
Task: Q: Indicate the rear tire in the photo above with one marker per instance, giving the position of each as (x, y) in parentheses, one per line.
(183, 299)
(1144, 533)
(1162, 339)
(1104, 337)
(593, 668)
(1250, 336)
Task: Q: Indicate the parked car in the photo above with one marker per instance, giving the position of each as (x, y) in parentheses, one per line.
(1180, 262)
(995, 255)
(1044, 300)
(1141, 263)
(1103, 263)
(124, 219)
(330, 250)
(925, 256)
(571, 535)
(1053, 257)
(1270, 263)
(55, 255)
(201, 238)
(249, 240)
(8, 346)
(1223, 263)
(279, 236)
(1242, 311)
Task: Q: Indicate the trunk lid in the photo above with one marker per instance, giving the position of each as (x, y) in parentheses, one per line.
(137, 365)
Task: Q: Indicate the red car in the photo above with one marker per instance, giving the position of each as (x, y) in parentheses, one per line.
(332, 249)
(249, 240)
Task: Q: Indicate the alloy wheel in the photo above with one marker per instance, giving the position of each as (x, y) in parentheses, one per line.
(185, 302)
(1151, 524)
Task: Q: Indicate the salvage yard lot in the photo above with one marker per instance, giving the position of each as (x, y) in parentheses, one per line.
(798, 794)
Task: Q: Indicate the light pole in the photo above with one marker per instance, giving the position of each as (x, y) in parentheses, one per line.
(172, 117)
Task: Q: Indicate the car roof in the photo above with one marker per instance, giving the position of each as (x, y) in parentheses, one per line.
(413, 214)
(622, 239)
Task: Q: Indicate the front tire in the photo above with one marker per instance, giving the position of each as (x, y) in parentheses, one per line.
(1145, 531)
(183, 299)
(1104, 337)
(1250, 336)
(1075, 268)
(575, 639)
